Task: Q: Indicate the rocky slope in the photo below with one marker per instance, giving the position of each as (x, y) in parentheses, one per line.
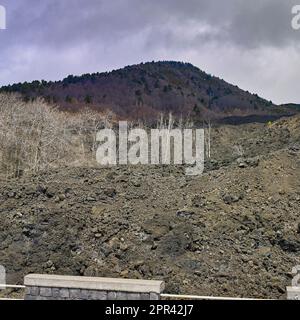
(235, 231)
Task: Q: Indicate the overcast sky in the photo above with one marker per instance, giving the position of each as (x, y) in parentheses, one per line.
(246, 42)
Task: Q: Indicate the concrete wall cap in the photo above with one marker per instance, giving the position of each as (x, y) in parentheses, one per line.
(93, 283)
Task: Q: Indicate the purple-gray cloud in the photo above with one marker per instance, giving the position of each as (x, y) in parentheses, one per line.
(248, 43)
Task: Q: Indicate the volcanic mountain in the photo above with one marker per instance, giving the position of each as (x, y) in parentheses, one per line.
(143, 91)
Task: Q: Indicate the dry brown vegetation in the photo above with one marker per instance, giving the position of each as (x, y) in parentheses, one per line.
(36, 136)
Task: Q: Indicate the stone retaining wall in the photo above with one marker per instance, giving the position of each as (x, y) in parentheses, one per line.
(51, 287)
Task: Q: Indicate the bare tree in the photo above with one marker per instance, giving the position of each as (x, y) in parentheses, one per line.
(32, 136)
(84, 126)
(207, 125)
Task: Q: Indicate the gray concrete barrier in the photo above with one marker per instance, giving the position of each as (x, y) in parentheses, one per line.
(53, 287)
(293, 293)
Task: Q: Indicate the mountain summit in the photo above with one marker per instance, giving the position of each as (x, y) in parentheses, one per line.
(142, 91)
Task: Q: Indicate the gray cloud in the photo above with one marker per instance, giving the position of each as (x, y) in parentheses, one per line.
(249, 43)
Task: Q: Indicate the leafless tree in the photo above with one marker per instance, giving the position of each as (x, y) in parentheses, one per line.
(32, 136)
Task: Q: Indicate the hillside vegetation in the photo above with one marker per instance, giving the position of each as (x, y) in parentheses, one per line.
(145, 90)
